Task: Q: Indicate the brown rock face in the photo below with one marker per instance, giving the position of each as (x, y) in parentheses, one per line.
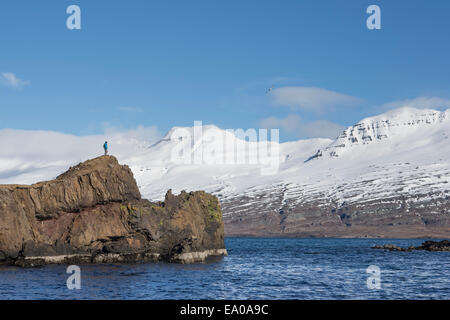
(94, 213)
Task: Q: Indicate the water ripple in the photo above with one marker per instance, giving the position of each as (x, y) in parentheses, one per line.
(256, 268)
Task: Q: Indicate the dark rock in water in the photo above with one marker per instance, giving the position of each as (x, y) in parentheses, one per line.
(443, 245)
(390, 247)
(94, 213)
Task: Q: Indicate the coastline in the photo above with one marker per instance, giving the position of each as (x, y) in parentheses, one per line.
(183, 258)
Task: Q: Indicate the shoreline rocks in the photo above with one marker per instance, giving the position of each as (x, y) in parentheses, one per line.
(429, 245)
(94, 213)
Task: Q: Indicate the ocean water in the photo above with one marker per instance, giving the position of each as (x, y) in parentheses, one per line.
(256, 268)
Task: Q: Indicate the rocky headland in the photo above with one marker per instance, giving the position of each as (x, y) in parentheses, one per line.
(94, 213)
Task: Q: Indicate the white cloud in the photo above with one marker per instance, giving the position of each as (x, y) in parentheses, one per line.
(419, 103)
(311, 98)
(321, 129)
(30, 156)
(138, 134)
(296, 125)
(290, 124)
(131, 109)
(11, 80)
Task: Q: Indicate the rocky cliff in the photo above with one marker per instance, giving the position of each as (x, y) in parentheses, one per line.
(94, 213)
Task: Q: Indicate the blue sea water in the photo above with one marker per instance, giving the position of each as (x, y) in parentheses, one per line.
(256, 268)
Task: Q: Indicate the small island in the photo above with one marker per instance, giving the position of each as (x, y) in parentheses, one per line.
(94, 213)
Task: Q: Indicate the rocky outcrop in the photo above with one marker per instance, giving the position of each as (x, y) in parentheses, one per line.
(94, 213)
(429, 245)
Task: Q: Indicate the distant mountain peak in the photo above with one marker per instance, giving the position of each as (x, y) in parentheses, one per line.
(394, 123)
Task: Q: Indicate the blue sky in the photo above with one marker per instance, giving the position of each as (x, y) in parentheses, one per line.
(165, 64)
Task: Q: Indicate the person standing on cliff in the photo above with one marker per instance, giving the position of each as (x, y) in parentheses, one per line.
(105, 146)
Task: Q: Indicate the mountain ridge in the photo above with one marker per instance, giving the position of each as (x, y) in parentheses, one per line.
(382, 126)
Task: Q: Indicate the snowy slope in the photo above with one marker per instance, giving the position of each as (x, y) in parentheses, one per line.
(404, 147)
(156, 172)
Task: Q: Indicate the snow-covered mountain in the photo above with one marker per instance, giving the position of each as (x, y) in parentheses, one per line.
(395, 126)
(387, 175)
(397, 161)
(405, 141)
